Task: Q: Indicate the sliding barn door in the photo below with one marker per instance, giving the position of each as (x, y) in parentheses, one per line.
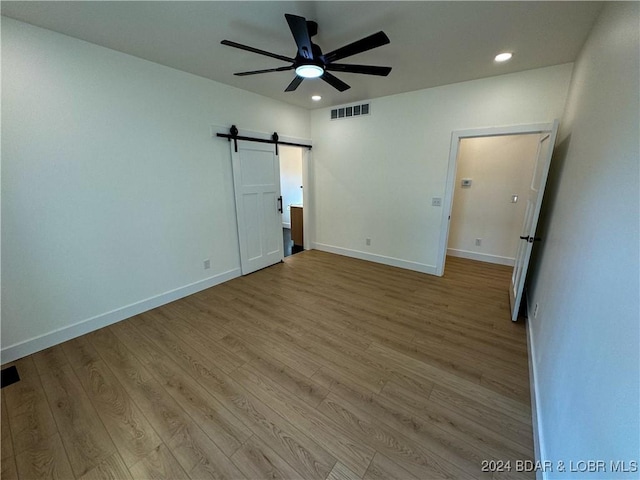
(256, 179)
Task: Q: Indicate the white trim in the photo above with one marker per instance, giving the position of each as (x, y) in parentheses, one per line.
(308, 218)
(481, 257)
(286, 225)
(536, 422)
(372, 257)
(447, 203)
(35, 344)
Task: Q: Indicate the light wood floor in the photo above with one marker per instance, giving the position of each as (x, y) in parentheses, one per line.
(323, 367)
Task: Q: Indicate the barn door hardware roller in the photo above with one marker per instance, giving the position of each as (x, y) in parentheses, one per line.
(275, 139)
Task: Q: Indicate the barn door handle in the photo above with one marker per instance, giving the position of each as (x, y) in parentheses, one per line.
(280, 204)
(530, 239)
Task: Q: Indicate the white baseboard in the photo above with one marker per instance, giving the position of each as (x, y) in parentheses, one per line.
(35, 344)
(536, 424)
(481, 257)
(286, 225)
(372, 257)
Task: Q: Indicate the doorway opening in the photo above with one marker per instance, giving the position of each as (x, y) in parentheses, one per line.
(292, 191)
(489, 200)
(545, 135)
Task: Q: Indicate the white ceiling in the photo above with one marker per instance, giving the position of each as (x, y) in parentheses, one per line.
(432, 43)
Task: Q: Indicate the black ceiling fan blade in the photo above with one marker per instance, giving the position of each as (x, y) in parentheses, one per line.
(362, 45)
(229, 43)
(364, 69)
(300, 32)
(335, 82)
(256, 72)
(294, 83)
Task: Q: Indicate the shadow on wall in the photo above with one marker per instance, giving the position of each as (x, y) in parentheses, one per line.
(556, 169)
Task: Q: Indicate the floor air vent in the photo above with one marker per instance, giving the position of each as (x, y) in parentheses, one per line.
(351, 111)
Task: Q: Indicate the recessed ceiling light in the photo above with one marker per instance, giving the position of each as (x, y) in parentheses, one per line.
(503, 57)
(316, 98)
(309, 71)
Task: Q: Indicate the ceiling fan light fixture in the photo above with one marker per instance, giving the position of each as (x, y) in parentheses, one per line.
(309, 71)
(503, 57)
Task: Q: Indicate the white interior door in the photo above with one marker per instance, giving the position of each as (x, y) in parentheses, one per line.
(256, 179)
(534, 202)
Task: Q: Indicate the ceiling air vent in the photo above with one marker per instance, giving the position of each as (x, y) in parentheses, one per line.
(350, 111)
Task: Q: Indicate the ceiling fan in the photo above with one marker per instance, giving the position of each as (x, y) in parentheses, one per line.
(310, 62)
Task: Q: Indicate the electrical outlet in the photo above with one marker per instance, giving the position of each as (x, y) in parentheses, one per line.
(367, 241)
(207, 264)
(535, 311)
(478, 242)
(436, 202)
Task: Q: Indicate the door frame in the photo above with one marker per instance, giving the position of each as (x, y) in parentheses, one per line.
(307, 178)
(456, 137)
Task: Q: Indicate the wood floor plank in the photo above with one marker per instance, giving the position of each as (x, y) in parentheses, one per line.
(358, 363)
(225, 360)
(46, 459)
(160, 409)
(30, 418)
(50, 360)
(131, 432)
(415, 458)
(201, 317)
(241, 348)
(511, 387)
(199, 456)
(299, 451)
(216, 421)
(483, 443)
(302, 387)
(86, 440)
(426, 433)
(7, 443)
(159, 465)
(493, 419)
(383, 468)
(340, 472)
(336, 439)
(416, 385)
(257, 460)
(319, 322)
(359, 369)
(8, 470)
(194, 451)
(411, 367)
(270, 341)
(111, 468)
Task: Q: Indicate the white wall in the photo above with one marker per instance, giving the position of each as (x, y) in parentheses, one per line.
(113, 190)
(290, 180)
(499, 167)
(586, 335)
(375, 175)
